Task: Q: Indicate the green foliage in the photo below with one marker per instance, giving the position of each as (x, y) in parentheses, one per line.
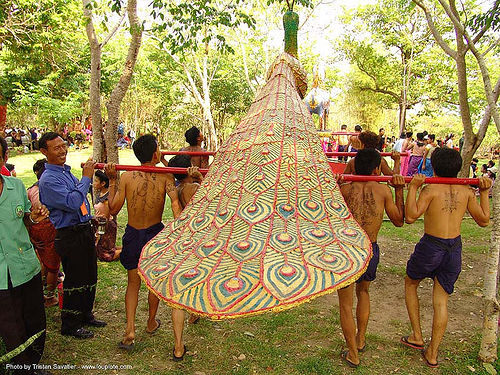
(230, 95)
(44, 73)
(187, 25)
(489, 19)
(159, 97)
(396, 61)
(290, 4)
(22, 20)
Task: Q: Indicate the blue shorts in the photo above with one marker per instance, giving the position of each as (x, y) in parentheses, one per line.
(371, 271)
(133, 241)
(436, 257)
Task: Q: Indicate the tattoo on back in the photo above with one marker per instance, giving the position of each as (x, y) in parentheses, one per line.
(170, 187)
(363, 207)
(450, 201)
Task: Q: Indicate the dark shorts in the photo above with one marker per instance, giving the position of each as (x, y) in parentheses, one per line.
(436, 257)
(342, 148)
(133, 241)
(371, 272)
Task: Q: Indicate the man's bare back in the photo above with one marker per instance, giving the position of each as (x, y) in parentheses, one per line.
(367, 202)
(444, 207)
(355, 142)
(197, 161)
(145, 196)
(188, 187)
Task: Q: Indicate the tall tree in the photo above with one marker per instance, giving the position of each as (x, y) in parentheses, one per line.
(119, 91)
(472, 37)
(480, 43)
(192, 33)
(391, 46)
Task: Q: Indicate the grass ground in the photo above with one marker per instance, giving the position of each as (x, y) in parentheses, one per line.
(304, 340)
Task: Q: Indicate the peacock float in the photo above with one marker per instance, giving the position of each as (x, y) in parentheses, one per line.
(268, 228)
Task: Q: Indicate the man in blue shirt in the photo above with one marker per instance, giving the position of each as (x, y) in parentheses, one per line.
(66, 199)
(22, 316)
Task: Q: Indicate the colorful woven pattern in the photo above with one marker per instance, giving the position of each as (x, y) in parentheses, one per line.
(268, 228)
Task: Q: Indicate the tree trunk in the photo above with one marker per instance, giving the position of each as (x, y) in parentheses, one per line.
(95, 85)
(463, 101)
(118, 93)
(488, 351)
(207, 110)
(402, 117)
(3, 117)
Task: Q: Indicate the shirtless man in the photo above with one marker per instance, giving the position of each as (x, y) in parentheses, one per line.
(188, 185)
(369, 139)
(354, 141)
(367, 202)
(195, 138)
(343, 142)
(438, 255)
(145, 195)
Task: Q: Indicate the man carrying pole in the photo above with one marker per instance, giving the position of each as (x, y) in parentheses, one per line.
(145, 194)
(438, 255)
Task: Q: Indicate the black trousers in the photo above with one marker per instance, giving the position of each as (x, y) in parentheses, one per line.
(22, 315)
(75, 246)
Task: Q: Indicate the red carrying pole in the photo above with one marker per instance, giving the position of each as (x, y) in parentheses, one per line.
(209, 153)
(191, 153)
(321, 133)
(347, 177)
(354, 153)
(145, 168)
(428, 180)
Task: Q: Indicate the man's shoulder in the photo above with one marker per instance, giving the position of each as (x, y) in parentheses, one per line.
(382, 189)
(435, 190)
(13, 182)
(132, 178)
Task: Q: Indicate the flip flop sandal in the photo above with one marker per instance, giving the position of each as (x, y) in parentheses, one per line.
(194, 321)
(343, 355)
(361, 350)
(127, 347)
(156, 329)
(426, 361)
(178, 359)
(404, 341)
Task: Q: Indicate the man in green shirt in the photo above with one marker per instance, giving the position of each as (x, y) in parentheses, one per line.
(22, 315)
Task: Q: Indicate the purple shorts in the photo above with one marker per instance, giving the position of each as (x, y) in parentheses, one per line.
(133, 241)
(371, 271)
(413, 164)
(436, 257)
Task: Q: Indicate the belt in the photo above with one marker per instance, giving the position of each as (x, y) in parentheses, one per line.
(75, 227)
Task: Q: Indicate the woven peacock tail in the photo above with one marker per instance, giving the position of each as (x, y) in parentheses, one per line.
(267, 229)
